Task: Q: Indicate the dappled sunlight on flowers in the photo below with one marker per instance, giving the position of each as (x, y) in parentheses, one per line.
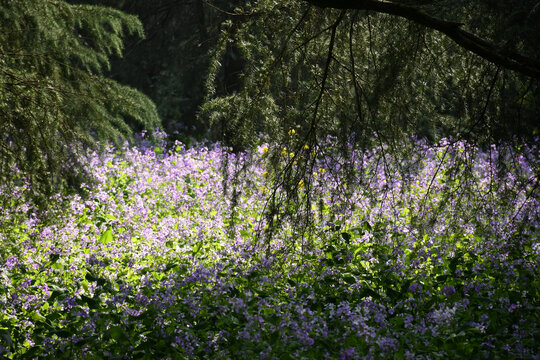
(164, 256)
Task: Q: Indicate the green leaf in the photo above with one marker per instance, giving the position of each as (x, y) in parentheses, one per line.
(441, 278)
(117, 332)
(358, 250)
(196, 248)
(111, 217)
(36, 316)
(172, 266)
(106, 237)
(53, 258)
(268, 311)
(92, 303)
(346, 236)
(365, 264)
(366, 226)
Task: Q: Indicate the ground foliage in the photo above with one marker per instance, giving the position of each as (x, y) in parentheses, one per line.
(165, 258)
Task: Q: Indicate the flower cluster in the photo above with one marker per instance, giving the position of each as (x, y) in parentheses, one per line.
(433, 255)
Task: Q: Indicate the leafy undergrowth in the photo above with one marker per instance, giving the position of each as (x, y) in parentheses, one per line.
(151, 265)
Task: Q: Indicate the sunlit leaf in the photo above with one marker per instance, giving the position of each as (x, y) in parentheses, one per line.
(106, 237)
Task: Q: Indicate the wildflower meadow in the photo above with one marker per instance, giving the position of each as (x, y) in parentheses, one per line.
(434, 255)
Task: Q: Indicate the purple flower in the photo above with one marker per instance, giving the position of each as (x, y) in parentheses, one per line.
(11, 262)
(513, 307)
(347, 354)
(408, 321)
(448, 290)
(414, 287)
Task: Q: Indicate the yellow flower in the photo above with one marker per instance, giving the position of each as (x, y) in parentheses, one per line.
(292, 132)
(306, 147)
(321, 170)
(291, 154)
(284, 151)
(301, 183)
(265, 174)
(265, 149)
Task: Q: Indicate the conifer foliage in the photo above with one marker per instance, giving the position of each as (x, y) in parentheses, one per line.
(54, 97)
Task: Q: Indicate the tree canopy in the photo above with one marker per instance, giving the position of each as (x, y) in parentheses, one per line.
(172, 61)
(395, 72)
(190, 42)
(495, 53)
(54, 97)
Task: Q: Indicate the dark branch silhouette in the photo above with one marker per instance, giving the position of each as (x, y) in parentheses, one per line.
(463, 38)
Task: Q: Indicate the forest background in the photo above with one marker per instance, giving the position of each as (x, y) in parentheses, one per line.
(249, 71)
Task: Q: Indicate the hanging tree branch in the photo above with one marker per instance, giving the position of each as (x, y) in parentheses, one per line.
(453, 30)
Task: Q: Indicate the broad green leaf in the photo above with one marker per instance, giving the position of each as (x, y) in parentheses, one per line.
(111, 217)
(106, 237)
(36, 316)
(85, 284)
(116, 332)
(355, 253)
(197, 247)
(268, 311)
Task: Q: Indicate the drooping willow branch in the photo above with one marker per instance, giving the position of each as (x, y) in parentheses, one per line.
(453, 30)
